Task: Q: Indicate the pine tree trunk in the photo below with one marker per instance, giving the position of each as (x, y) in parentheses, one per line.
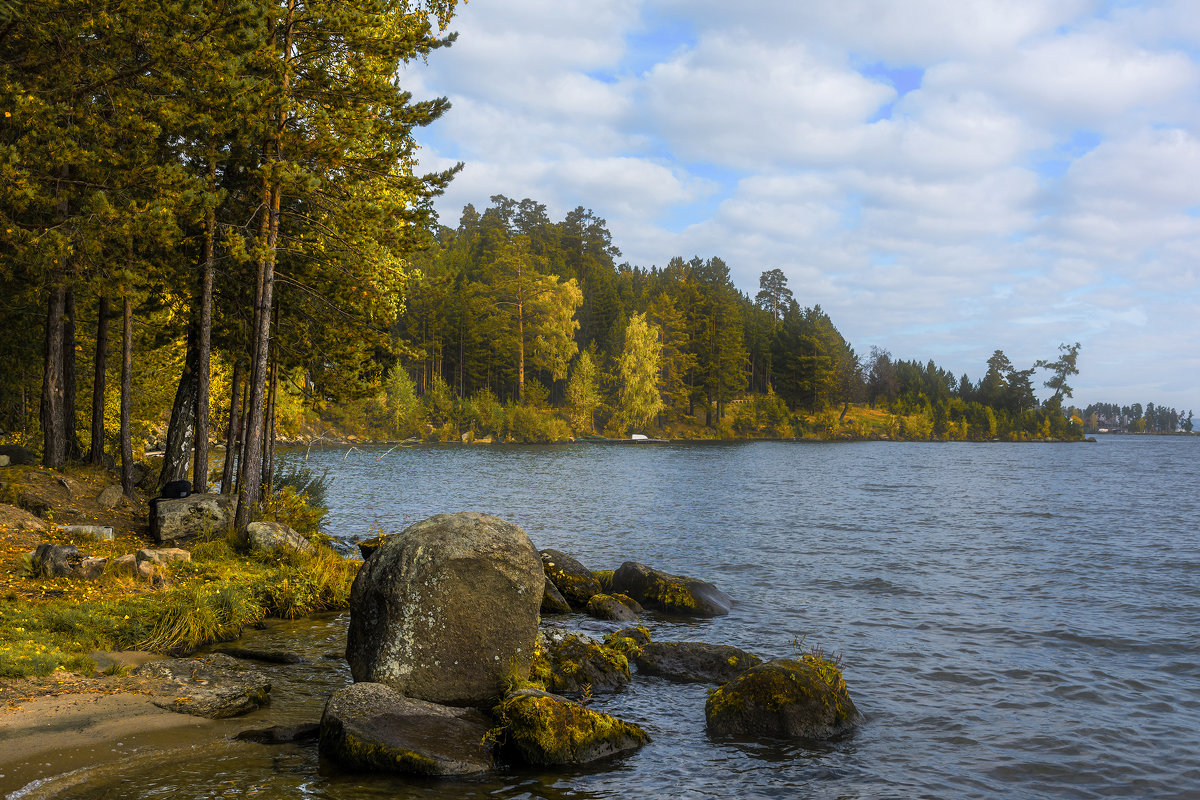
(203, 356)
(96, 455)
(74, 451)
(182, 428)
(126, 391)
(520, 354)
(231, 435)
(54, 438)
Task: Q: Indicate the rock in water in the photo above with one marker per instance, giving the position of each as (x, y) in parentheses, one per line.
(574, 663)
(447, 610)
(697, 662)
(541, 728)
(372, 727)
(619, 607)
(191, 518)
(787, 698)
(574, 580)
(674, 594)
(553, 602)
(214, 686)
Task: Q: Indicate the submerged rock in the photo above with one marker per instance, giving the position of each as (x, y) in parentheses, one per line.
(213, 686)
(370, 726)
(572, 663)
(694, 662)
(628, 641)
(282, 734)
(573, 579)
(540, 728)
(674, 594)
(447, 610)
(619, 607)
(803, 698)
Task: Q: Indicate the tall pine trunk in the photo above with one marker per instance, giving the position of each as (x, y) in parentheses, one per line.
(126, 391)
(96, 455)
(182, 428)
(74, 451)
(203, 356)
(231, 435)
(53, 417)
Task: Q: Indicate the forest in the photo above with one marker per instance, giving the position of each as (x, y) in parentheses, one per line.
(213, 232)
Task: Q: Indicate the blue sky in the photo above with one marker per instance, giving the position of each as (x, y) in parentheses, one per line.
(944, 177)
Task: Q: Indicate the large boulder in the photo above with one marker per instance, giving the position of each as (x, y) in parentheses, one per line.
(447, 610)
(277, 537)
(187, 519)
(695, 662)
(574, 580)
(787, 698)
(213, 686)
(372, 727)
(539, 728)
(55, 560)
(674, 594)
(574, 663)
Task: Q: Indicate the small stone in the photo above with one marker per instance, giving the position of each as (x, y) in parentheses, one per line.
(275, 536)
(110, 496)
(161, 556)
(91, 568)
(613, 607)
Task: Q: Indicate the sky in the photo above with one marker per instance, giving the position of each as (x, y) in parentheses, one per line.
(944, 177)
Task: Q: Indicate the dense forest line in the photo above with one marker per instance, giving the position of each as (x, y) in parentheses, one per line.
(212, 230)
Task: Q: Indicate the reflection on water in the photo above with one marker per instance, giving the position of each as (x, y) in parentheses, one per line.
(1014, 620)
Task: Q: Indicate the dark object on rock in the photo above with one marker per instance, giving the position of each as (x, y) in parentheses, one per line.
(695, 662)
(55, 561)
(213, 686)
(552, 600)
(176, 490)
(617, 607)
(571, 663)
(370, 726)
(674, 594)
(369, 546)
(196, 516)
(575, 581)
(275, 536)
(787, 698)
(447, 610)
(18, 455)
(283, 734)
(266, 656)
(539, 728)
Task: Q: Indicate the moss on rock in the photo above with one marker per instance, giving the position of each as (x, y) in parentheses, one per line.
(574, 580)
(785, 698)
(628, 641)
(540, 728)
(572, 663)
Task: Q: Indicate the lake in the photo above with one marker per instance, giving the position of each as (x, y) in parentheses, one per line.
(1013, 620)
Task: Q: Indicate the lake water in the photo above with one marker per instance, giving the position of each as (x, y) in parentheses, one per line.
(1014, 620)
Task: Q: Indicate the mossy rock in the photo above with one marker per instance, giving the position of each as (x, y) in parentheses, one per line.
(214, 686)
(574, 580)
(371, 727)
(369, 546)
(693, 662)
(787, 698)
(673, 594)
(552, 600)
(604, 576)
(539, 728)
(572, 663)
(618, 607)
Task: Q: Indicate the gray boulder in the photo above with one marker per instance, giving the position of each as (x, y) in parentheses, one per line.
(447, 610)
(91, 568)
(109, 496)
(213, 686)
(187, 519)
(674, 594)
(575, 581)
(370, 726)
(541, 728)
(695, 662)
(55, 561)
(275, 536)
(787, 698)
(161, 556)
(101, 533)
